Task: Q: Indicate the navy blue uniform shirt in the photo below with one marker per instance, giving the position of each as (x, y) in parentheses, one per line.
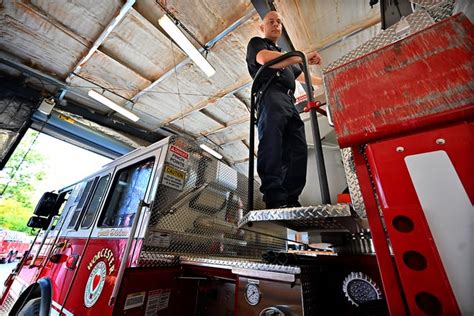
(288, 74)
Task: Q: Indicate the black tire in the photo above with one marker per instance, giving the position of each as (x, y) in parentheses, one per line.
(31, 308)
(3, 260)
(35, 299)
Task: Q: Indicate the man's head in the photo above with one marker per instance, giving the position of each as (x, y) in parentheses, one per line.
(271, 26)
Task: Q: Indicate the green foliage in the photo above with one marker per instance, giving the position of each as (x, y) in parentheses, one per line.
(21, 175)
(23, 172)
(14, 215)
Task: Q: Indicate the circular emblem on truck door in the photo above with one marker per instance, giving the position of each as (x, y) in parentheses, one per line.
(95, 284)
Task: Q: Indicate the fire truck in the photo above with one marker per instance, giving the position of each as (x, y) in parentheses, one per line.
(12, 245)
(167, 229)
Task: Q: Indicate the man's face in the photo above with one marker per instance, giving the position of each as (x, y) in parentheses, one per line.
(271, 26)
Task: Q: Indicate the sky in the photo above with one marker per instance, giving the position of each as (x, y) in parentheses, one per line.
(67, 163)
(64, 164)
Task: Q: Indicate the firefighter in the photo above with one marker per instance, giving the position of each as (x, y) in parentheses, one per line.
(282, 149)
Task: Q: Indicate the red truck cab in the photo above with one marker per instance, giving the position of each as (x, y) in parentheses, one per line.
(13, 244)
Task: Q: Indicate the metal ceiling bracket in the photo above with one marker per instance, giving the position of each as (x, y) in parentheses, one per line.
(110, 27)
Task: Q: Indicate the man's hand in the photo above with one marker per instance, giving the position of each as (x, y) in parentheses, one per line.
(313, 58)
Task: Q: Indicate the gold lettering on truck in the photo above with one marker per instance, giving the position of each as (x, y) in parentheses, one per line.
(105, 254)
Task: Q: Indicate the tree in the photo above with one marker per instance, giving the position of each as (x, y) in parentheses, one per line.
(20, 176)
(14, 216)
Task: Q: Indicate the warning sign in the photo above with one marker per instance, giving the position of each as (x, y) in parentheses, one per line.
(173, 178)
(157, 300)
(134, 300)
(177, 157)
(159, 239)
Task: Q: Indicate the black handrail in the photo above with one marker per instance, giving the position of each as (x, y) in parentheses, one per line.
(323, 181)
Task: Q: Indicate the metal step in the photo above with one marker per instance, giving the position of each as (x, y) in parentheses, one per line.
(319, 217)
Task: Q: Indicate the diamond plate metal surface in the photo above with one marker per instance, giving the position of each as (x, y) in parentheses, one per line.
(427, 3)
(7, 305)
(199, 217)
(441, 10)
(353, 182)
(298, 218)
(233, 263)
(417, 21)
(438, 9)
(432, 11)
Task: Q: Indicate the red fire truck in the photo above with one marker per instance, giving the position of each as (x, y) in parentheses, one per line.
(165, 230)
(12, 245)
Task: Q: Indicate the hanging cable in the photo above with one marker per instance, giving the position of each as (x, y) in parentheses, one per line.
(211, 141)
(177, 84)
(138, 90)
(103, 88)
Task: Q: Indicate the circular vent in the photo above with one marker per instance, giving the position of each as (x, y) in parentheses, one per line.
(359, 288)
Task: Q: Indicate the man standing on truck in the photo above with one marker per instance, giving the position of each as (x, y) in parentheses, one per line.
(282, 149)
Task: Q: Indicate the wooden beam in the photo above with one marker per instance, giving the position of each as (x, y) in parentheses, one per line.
(228, 125)
(204, 103)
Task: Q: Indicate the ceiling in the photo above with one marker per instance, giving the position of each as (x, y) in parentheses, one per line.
(140, 68)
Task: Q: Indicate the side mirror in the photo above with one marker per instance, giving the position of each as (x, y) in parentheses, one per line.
(38, 222)
(46, 205)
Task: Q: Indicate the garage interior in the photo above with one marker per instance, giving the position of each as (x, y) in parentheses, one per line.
(60, 51)
(54, 53)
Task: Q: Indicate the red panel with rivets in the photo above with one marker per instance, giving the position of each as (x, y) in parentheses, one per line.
(425, 285)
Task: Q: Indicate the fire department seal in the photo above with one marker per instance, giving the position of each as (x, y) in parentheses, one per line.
(95, 284)
(98, 267)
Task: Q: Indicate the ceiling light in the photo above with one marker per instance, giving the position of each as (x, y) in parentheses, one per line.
(175, 33)
(114, 106)
(211, 151)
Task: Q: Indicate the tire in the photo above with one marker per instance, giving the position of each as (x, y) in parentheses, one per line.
(3, 260)
(31, 308)
(34, 300)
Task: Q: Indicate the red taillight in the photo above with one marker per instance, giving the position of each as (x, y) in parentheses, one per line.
(57, 258)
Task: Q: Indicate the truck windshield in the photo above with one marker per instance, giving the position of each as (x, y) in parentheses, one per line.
(130, 185)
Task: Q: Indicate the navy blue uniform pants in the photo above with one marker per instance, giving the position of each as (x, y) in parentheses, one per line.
(282, 149)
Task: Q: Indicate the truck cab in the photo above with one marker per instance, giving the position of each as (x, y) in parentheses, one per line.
(12, 245)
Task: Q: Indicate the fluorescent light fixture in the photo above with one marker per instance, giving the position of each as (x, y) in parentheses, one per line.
(175, 33)
(114, 106)
(211, 151)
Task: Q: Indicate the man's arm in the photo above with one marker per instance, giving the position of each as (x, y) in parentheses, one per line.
(315, 80)
(264, 56)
